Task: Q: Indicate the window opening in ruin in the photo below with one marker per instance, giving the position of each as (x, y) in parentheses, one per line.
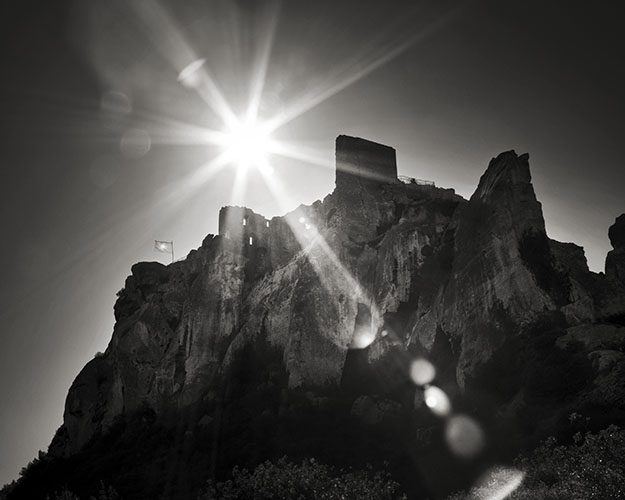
(251, 240)
(245, 221)
(267, 223)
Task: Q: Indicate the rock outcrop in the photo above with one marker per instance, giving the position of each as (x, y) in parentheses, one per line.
(615, 261)
(378, 266)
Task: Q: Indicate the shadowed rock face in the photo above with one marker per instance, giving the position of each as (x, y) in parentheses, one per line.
(616, 233)
(615, 261)
(409, 266)
(501, 257)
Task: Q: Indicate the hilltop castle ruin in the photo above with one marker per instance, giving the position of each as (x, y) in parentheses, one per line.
(358, 161)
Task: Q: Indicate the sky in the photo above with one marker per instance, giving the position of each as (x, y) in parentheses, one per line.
(106, 140)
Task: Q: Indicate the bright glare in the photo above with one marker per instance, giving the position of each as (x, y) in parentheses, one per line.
(464, 436)
(437, 401)
(190, 76)
(363, 338)
(498, 483)
(247, 145)
(422, 372)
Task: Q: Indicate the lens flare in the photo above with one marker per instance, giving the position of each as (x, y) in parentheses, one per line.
(190, 75)
(116, 102)
(464, 436)
(363, 338)
(437, 401)
(135, 143)
(422, 372)
(498, 483)
(104, 171)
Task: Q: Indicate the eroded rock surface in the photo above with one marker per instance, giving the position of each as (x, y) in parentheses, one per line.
(379, 263)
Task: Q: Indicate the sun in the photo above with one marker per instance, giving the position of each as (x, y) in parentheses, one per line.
(247, 144)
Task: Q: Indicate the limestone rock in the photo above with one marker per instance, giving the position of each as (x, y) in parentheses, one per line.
(499, 260)
(595, 337)
(605, 348)
(605, 360)
(378, 264)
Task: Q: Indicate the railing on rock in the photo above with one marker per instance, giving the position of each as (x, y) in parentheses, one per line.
(411, 180)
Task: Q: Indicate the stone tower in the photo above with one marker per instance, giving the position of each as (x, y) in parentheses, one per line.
(364, 162)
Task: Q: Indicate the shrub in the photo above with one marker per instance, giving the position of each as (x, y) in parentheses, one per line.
(106, 493)
(591, 468)
(308, 480)
(65, 494)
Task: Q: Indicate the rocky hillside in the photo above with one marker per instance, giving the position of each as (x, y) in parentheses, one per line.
(295, 336)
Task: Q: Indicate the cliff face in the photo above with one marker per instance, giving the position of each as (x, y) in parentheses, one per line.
(503, 271)
(378, 265)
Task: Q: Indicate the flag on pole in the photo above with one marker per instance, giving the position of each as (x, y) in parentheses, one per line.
(165, 247)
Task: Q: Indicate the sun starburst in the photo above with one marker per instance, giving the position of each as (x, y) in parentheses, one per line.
(247, 144)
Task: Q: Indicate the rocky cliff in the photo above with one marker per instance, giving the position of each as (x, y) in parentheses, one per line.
(328, 297)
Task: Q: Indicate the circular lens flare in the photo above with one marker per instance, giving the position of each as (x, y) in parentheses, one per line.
(464, 436)
(437, 401)
(422, 372)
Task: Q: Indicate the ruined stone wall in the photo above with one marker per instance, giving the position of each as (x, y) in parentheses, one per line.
(246, 232)
(244, 226)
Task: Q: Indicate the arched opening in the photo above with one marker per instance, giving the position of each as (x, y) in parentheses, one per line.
(244, 221)
(251, 240)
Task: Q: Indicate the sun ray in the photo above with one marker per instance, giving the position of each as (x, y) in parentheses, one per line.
(368, 60)
(319, 253)
(184, 189)
(167, 130)
(261, 66)
(191, 69)
(137, 216)
(210, 93)
(238, 186)
(300, 152)
(245, 140)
